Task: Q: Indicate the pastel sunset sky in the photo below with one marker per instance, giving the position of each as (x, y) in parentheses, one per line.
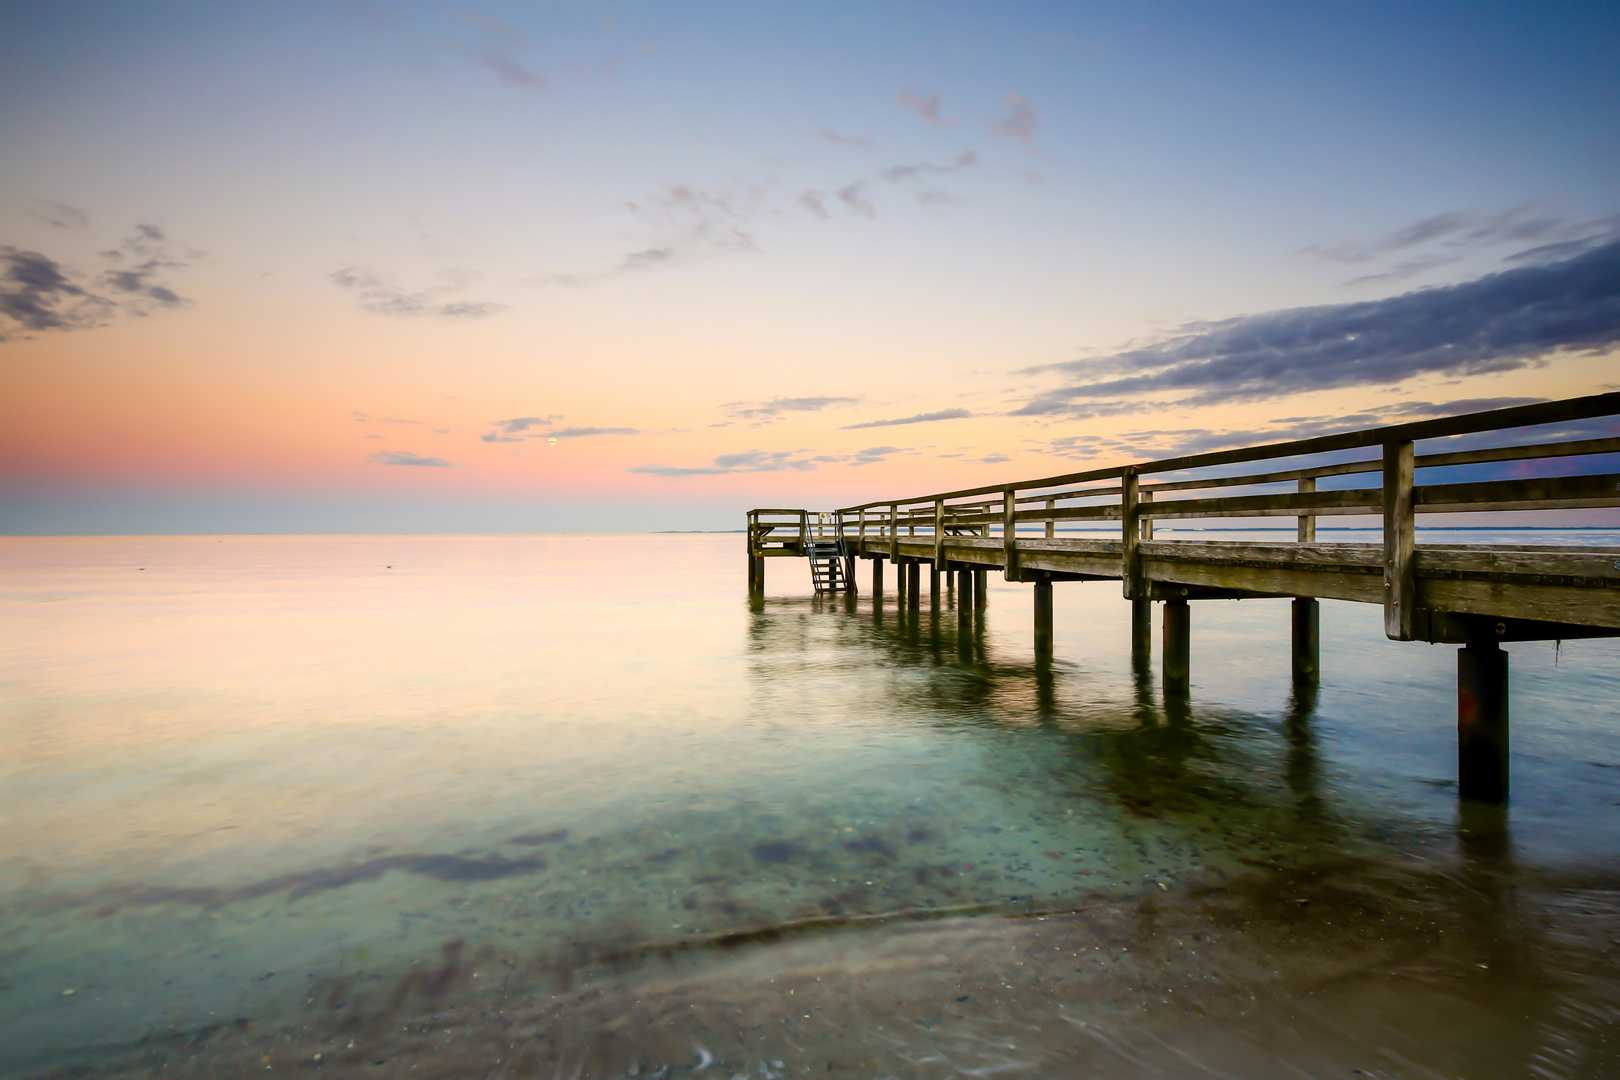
(379, 265)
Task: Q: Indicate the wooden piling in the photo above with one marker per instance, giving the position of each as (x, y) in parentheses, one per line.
(1307, 651)
(877, 580)
(933, 586)
(1482, 722)
(1141, 629)
(980, 579)
(964, 601)
(913, 585)
(1043, 619)
(1177, 648)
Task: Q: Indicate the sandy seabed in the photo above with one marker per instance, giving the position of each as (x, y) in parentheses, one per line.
(1392, 968)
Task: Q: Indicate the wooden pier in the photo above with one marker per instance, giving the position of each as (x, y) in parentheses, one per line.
(1474, 595)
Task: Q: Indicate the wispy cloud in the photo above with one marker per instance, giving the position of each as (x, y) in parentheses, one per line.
(920, 418)
(1180, 441)
(750, 410)
(405, 457)
(1503, 321)
(854, 202)
(749, 461)
(813, 202)
(896, 173)
(1441, 239)
(927, 106)
(59, 215)
(861, 141)
(495, 49)
(681, 223)
(581, 432)
(514, 430)
(1017, 121)
(382, 298)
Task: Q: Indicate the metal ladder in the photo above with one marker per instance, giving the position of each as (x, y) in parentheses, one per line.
(826, 553)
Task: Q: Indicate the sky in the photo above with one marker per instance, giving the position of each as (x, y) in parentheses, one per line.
(379, 266)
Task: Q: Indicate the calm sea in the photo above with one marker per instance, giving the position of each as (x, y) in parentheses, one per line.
(576, 806)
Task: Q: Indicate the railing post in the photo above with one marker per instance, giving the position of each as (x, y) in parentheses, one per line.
(1130, 534)
(1307, 522)
(861, 542)
(1400, 542)
(1009, 534)
(1147, 522)
(1051, 525)
(894, 530)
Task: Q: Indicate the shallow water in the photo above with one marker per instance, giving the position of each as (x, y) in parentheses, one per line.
(264, 798)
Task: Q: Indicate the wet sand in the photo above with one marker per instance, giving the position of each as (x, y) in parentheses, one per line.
(1397, 968)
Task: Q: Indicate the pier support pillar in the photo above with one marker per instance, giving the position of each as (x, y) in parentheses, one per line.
(1177, 648)
(980, 579)
(849, 574)
(1141, 629)
(964, 601)
(1043, 620)
(1307, 641)
(933, 585)
(1482, 722)
(756, 574)
(913, 583)
(877, 581)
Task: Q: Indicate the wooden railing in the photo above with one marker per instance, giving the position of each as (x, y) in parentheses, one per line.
(1124, 493)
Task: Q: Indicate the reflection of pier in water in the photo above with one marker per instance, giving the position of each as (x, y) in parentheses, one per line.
(1505, 461)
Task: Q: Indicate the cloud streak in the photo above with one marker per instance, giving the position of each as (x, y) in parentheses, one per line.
(749, 461)
(1501, 322)
(405, 457)
(920, 418)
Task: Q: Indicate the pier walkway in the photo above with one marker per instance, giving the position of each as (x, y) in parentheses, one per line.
(1514, 464)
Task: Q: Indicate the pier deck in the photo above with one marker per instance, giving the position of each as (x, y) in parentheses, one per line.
(1513, 464)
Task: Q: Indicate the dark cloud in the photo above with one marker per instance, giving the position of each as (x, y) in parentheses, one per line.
(1504, 321)
(37, 293)
(812, 201)
(750, 461)
(1019, 121)
(920, 418)
(381, 298)
(60, 215)
(845, 140)
(778, 406)
(405, 457)
(926, 106)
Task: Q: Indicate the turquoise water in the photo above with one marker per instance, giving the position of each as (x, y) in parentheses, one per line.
(253, 788)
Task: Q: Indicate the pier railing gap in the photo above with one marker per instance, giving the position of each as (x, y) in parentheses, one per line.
(1477, 595)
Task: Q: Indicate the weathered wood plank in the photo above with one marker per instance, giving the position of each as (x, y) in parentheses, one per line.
(1551, 603)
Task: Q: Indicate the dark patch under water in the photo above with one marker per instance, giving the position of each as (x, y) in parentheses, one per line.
(535, 839)
(438, 867)
(776, 851)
